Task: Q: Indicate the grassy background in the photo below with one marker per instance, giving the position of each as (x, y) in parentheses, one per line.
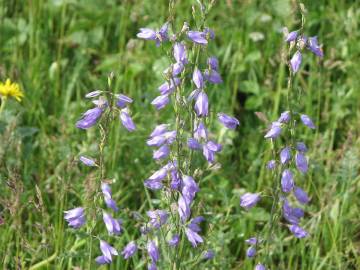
(59, 50)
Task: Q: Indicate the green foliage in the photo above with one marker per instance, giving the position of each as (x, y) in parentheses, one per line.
(58, 50)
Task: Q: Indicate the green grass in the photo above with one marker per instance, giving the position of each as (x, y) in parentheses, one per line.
(59, 50)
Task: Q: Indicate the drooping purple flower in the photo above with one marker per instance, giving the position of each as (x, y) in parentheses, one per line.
(228, 121)
(147, 33)
(194, 223)
(107, 197)
(198, 79)
(193, 95)
(89, 118)
(284, 117)
(285, 155)
(180, 53)
(107, 252)
(295, 61)
(190, 188)
(162, 152)
(159, 174)
(201, 131)
(197, 37)
(122, 100)
(153, 251)
(153, 184)
(175, 183)
(249, 200)
(183, 209)
(160, 101)
(274, 131)
(251, 252)
(175, 69)
(287, 181)
(301, 147)
(301, 162)
(87, 161)
(298, 231)
(75, 217)
(113, 226)
(213, 62)
(193, 237)
(110, 203)
(209, 254)
(301, 195)
(126, 120)
(213, 146)
(150, 34)
(193, 144)
(169, 87)
(202, 104)
(174, 241)
(157, 218)
(156, 141)
(208, 154)
(170, 136)
(307, 121)
(260, 266)
(212, 76)
(158, 130)
(93, 94)
(129, 250)
(289, 213)
(271, 165)
(298, 212)
(251, 241)
(314, 46)
(291, 36)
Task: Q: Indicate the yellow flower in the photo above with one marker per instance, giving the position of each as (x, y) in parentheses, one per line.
(9, 89)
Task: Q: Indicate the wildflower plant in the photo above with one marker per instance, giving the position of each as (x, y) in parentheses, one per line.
(9, 89)
(108, 108)
(172, 232)
(289, 163)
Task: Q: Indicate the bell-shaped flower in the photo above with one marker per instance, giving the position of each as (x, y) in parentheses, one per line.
(228, 121)
(287, 181)
(126, 120)
(129, 250)
(202, 104)
(89, 118)
(197, 37)
(113, 226)
(295, 62)
(249, 200)
(75, 217)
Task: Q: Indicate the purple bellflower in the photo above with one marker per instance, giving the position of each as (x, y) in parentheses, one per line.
(295, 62)
(193, 237)
(197, 37)
(198, 79)
(122, 100)
(126, 120)
(157, 218)
(153, 251)
(113, 226)
(251, 252)
(129, 250)
(160, 101)
(75, 217)
(228, 121)
(107, 252)
(274, 132)
(298, 231)
(89, 118)
(301, 195)
(287, 182)
(307, 121)
(249, 200)
(285, 155)
(202, 104)
(174, 241)
(301, 162)
(87, 161)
